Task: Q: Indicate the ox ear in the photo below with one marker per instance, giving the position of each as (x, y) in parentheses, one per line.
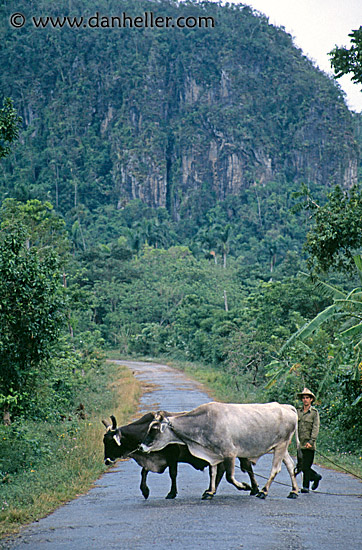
(153, 424)
(107, 425)
(117, 437)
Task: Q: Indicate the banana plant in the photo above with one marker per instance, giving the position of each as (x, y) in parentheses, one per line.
(346, 307)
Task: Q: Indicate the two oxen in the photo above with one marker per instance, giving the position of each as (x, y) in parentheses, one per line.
(213, 435)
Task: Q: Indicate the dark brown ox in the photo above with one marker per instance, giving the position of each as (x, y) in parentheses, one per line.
(220, 432)
(123, 442)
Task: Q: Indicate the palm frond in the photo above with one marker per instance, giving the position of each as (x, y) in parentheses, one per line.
(278, 370)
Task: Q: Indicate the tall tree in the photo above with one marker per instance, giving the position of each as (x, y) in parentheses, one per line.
(31, 305)
(9, 126)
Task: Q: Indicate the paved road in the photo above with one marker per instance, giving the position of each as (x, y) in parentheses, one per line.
(114, 514)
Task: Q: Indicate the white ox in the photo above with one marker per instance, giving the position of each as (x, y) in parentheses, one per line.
(221, 432)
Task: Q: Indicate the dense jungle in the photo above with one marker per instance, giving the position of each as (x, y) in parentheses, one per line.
(185, 193)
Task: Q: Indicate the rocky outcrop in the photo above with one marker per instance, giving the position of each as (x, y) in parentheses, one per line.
(195, 150)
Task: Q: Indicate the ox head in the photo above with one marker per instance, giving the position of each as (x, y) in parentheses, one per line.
(112, 440)
(159, 435)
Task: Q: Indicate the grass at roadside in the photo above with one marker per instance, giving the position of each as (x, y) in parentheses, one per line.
(62, 459)
(220, 384)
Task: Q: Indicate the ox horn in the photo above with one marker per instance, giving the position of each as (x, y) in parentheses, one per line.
(114, 422)
(160, 415)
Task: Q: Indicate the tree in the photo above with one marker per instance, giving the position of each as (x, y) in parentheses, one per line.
(9, 127)
(31, 306)
(45, 229)
(345, 61)
(336, 235)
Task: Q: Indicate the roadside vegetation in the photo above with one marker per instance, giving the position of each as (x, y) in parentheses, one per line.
(47, 462)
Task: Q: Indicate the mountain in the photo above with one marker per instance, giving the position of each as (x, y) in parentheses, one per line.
(172, 116)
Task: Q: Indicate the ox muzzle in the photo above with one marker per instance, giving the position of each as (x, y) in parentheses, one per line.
(144, 448)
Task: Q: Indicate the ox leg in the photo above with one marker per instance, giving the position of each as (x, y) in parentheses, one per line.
(172, 470)
(279, 453)
(288, 461)
(216, 473)
(246, 466)
(144, 489)
(276, 467)
(220, 470)
(230, 475)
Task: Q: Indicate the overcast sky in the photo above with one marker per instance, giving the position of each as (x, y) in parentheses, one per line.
(317, 26)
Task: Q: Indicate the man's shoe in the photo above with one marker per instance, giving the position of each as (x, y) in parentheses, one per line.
(316, 483)
(304, 490)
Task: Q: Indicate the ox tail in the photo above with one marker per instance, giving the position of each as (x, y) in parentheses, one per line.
(299, 452)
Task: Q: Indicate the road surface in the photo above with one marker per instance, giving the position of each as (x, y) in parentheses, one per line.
(114, 515)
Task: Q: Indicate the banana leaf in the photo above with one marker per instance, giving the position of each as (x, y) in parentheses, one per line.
(358, 261)
(327, 288)
(356, 401)
(312, 325)
(356, 330)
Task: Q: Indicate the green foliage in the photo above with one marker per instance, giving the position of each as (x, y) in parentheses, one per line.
(31, 305)
(346, 61)
(336, 235)
(325, 354)
(9, 127)
(43, 228)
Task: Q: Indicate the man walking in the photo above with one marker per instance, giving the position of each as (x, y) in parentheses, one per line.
(308, 428)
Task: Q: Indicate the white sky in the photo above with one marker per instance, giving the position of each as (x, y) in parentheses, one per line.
(317, 26)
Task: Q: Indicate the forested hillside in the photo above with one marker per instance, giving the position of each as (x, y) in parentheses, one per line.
(190, 193)
(178, 118)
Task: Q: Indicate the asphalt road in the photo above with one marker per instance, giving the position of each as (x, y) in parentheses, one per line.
(114, 514)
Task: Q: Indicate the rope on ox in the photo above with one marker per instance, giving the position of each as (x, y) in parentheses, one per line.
(317, 492)
(339, 466)
(279, 482)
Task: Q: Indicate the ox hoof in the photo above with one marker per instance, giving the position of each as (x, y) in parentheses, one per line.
(207, 496)
(146, 493)
(254, 492)
(171, 496)
(261, 495)
(292, 495)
